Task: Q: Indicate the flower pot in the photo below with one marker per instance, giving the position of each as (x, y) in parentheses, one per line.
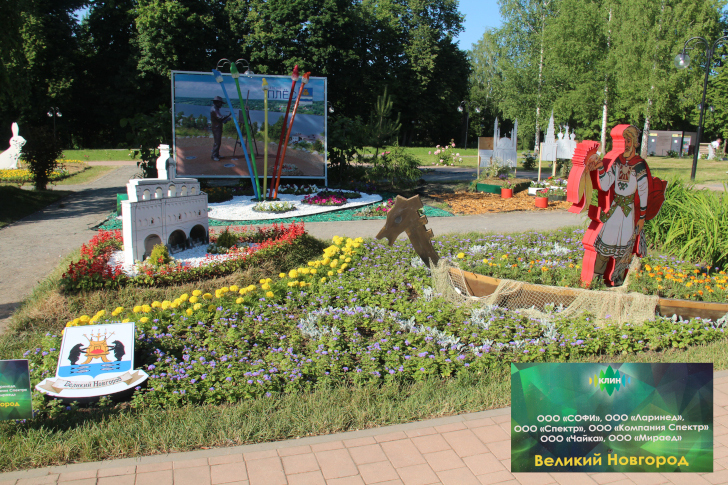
(506, 193)
(541, 202)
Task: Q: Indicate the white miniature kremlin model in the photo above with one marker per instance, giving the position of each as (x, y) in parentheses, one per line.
(164, 210)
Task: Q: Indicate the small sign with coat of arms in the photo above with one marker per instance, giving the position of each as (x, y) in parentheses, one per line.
(95, 360)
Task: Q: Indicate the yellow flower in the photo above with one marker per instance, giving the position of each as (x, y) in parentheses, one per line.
(251, 287)
(193, 299)
(347, 260)
(126, 320)
(331, 273)
(302, 284)
(207, 296)
(84, 318)
(323, 280)
(239, 301)
(282, 275)
(648, 268)
(188, 311)
(313, 271)
(197, 306)
(184, 297)
(137, 309)
(243, 291)
(146, 308)
(461, 255)
(174, 304)
(265, 286)
(211, 308)
(293, 274)
(505, 256)
(269, 294)
(144, 319)
(166, 304)
(156, 304)
(117, 310)
(196, 293)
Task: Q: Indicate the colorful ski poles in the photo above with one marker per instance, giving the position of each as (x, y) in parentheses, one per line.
(294, 78)
(290, 127)
(236, 74)
(218, 78)
(265, 137)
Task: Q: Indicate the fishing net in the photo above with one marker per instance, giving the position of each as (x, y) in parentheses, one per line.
(537, 301)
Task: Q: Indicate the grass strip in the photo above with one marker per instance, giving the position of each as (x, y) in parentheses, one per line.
(97, 434)
(98, 155)
(16, 203)
(90, 174)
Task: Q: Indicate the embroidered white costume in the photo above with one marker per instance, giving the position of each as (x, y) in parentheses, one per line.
(627, 178)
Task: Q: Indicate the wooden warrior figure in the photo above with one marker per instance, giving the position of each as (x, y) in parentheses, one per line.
(627, 196)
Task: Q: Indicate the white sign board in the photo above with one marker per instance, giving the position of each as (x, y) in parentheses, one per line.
(95, 360)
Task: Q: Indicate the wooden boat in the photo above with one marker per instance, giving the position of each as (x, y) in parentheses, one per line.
(482, 286)
(404, 217)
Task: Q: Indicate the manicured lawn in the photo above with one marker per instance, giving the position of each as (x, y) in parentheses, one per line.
(86, 176)
(708, 171)
(16, 203)
(98, 155)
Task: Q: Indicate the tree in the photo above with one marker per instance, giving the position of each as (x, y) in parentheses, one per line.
(381, 128)
(523, 60)
(647, 36)
(41, 152)
(578, 60)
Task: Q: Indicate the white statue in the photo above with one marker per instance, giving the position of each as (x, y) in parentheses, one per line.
(9, 158)
(548, 153)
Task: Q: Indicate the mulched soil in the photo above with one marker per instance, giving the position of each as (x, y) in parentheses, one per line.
(468, 203)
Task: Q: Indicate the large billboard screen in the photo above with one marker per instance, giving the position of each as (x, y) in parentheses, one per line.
(197, 144)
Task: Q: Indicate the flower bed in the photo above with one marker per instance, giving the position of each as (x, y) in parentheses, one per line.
(555, 259)
(274, 207)
(324, 200)
(22, 175)
(93, 271)
(360, 314)
(377, 210)
(296, 190)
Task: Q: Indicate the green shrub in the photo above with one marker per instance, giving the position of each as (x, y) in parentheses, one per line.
(41, 153)
(160, 256)
(226, 239)
(692, 224)
(529, 161)
(398, 167)
(218, 194)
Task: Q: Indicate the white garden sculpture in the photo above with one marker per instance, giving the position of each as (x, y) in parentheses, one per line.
(165, 210)
(9, 158)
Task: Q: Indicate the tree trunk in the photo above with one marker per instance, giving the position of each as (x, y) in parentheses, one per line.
(646, 132)
(540, 74)
(603, 145)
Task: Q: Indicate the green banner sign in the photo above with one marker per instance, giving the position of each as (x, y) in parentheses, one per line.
(612, 418)
(15, 397)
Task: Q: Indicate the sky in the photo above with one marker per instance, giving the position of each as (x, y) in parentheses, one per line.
(479, 16)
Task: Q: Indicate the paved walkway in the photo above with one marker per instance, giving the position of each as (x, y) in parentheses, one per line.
(40, 240)
(459, 450)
